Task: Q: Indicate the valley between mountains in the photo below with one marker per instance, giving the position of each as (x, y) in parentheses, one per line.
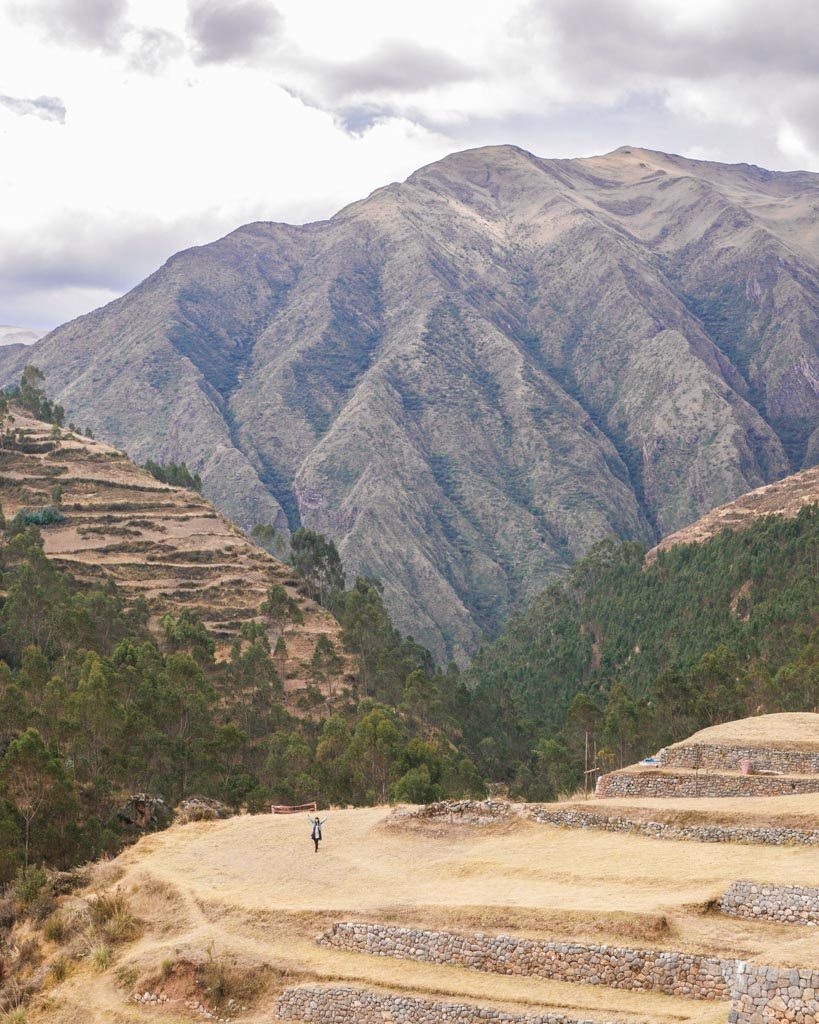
(469, 378)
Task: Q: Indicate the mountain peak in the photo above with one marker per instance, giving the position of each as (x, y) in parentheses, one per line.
(469, 378)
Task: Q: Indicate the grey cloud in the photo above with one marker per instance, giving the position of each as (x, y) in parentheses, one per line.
(86, 258)
(226, 30)
(361, 92)
(357, 119)
(604, 41)
(94, 24)
(395, 67)
(49, 108)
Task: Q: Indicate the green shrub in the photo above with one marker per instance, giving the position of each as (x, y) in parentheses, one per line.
(42, 906)
(222, 980)
(106, 906)
(38, 516)
(15, 1016)
(127, 976)
(28, 884)
(121, 926)
(110, 912)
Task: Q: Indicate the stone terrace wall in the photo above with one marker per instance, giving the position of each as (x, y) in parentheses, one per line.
(343, 1005)
(648, 783)
(790, 904)
(761, 836)
(766, 994)
(679, 974)
(705, 755)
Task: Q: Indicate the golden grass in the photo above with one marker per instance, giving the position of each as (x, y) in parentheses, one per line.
(529, 878)
(252, 889)
(793, 730)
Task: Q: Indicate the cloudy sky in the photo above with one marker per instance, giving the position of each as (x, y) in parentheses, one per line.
(132, 128)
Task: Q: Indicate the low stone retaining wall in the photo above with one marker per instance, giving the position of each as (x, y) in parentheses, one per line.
(762, 836)
(341, 1005)
(466, 812)
(706, 755)
(761, 995)
(648, 783)
(679, 974)
(790, 904)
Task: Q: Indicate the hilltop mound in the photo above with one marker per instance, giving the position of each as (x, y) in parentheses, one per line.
(469, 378)
(795, 730)
(165, 544)
(773, 755)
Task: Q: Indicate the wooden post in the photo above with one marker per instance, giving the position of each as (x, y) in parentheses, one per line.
(586, 768)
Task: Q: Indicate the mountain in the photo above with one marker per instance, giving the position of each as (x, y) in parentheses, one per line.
(469, 378)
(113, 521)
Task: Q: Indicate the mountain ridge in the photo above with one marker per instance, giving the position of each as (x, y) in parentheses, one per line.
(470, 377)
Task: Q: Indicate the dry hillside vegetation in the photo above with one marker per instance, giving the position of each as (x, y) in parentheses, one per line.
(165, 544)
(245, 898)
(785, 497)
(468, 378)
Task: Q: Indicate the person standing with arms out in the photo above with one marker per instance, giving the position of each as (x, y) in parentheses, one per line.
(315, 833)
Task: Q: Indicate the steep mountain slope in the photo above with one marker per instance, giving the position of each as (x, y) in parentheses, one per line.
(165, 544)
(468, 378)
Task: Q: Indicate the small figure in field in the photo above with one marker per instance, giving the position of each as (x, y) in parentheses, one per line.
(315, 833)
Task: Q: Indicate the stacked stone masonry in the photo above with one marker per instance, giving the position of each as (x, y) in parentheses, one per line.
(357, 1006)
(790, 904)
(763, 836)
(664, 784)
(768, 759)
(768, 995)
(679, 974)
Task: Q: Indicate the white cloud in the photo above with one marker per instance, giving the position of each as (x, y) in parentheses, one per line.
(185, 118)
(49, 108)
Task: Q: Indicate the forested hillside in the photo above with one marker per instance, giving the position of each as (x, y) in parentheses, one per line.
(94, 708)
(131, 662)
(637, 656)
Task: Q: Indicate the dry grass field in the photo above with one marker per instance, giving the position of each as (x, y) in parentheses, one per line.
(250, 892)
